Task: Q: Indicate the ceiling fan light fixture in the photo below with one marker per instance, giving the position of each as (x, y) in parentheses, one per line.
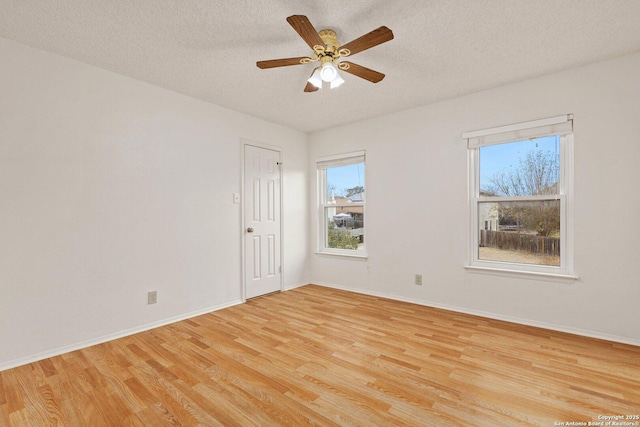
(337, 81)
(315, 78)
(328, 72)
(328, 51)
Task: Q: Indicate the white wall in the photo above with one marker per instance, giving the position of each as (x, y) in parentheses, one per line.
(416, 180)
(109, 188)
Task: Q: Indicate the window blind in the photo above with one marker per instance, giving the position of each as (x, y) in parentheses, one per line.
(341, 160)
(559, 125)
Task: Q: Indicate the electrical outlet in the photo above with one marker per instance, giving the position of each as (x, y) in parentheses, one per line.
(418, 279)
(152, 297)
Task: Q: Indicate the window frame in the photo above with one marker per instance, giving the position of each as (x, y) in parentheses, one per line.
(322, 164)
(559, 125)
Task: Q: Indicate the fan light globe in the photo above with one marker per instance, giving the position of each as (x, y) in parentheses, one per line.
(328, 72)
(315, 78)
(337, 81)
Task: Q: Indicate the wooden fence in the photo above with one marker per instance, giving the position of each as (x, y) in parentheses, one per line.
(520, 242)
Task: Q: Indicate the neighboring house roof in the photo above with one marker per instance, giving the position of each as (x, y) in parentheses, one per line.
(357, 198)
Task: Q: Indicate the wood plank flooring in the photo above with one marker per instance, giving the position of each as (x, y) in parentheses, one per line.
(318, 356)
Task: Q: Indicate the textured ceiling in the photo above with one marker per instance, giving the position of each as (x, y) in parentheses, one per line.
(442, 48)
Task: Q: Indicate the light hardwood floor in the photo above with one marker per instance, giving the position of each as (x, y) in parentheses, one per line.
(318, 356)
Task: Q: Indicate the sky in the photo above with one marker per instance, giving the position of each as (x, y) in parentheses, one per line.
(344, 177)
(502, 157)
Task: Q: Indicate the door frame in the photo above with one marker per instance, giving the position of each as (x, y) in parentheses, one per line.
(245, 143)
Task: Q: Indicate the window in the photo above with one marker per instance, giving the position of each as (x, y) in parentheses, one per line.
(341, 204)
(520, 187)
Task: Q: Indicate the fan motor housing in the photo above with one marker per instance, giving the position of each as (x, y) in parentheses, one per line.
(330, 42)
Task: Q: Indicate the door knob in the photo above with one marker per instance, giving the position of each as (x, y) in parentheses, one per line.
(249, 230)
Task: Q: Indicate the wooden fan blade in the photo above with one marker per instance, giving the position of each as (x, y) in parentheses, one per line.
(283, 62)
(310, 88)
(369, 40)
(362, 72)
(303, 26)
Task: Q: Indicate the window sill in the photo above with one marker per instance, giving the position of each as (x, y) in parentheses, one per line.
(361, 257)
(521, 273)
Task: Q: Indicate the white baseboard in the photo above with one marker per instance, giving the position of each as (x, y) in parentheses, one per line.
(527, 322)
(88, 343)
(110, 337)
(288, 288)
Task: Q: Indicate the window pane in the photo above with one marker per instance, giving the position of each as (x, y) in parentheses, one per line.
(343, 212)
(346, 183)
(345, 227)
(520, 232)
(522, 168)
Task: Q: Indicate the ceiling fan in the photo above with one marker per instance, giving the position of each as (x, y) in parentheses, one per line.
(327, 51)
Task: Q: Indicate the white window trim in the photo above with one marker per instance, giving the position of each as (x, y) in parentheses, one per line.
(321, 164)
(562, 125)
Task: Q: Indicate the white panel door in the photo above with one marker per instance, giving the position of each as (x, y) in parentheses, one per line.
(262, 221)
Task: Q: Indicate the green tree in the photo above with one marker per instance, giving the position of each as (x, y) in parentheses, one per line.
(353, 191)
(341, 240)
(541, 217)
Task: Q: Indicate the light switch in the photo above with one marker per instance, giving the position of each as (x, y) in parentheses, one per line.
(236, 197)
